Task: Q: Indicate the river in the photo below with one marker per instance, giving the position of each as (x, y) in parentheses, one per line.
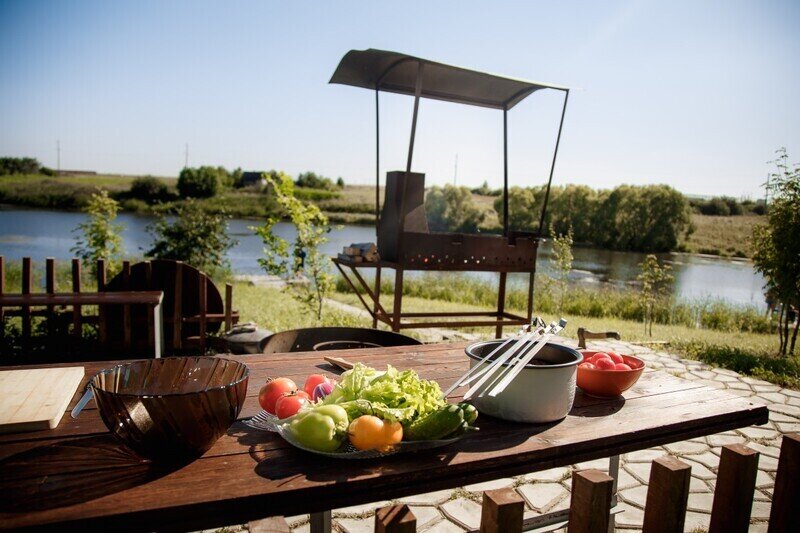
(41, 233)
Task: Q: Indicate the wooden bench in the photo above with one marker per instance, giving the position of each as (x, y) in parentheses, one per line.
(665, 508)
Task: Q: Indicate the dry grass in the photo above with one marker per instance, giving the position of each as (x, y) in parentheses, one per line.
(727, 236)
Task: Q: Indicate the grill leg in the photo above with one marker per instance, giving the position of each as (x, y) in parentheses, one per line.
(320, 522)
(501, 304)
(398, 299)
(377, 297)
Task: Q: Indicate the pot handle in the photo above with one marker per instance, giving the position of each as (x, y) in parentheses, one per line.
(87, 395)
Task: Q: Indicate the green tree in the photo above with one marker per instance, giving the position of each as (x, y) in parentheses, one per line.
(201, 182)
(99, 237)
(194, 236)
(562, 263)
(149, 189)
(312, 180)
(453, 209)
(304, 256)
(524, 208)
(777, 245)
(654, 278)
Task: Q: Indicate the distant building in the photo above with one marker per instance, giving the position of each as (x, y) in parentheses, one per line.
(253, 179)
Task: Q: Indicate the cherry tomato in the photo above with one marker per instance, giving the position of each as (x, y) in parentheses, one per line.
(273, 390)
(617, 358)
(604, 363)
(621, 366)
(587, 365)
(289, 403)
(312, 381)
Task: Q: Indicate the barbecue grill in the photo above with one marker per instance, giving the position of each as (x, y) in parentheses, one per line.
(404, 240)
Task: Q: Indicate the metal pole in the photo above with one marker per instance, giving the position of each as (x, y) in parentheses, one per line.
(553, 165)
(377, 164)
(417, 92)
(505, 172)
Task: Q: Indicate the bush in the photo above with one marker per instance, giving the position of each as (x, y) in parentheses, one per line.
(310, 180)
(452, 209)
(18, 165)
(195, 236)
(149, 189)
(49, 172)
(99, 236)
(202, 182)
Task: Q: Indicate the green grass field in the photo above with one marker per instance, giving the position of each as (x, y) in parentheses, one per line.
(726, 236)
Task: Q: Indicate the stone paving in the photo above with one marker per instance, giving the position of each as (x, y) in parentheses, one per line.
(459, 510)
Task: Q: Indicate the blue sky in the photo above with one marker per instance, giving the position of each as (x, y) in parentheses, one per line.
(697, 95)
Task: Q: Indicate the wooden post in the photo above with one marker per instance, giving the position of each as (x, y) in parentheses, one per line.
(2, 291)
(228, 307)
(501, 304)
(785, 515)
(395, 519)
(667, 495)
(50, 288)
(502, 511)
(733, 496)
(102, 323)
(589, 510)
(127, 321)
(27, 281)
(76, 287)
(273, 524)
(203, 311)
(177, 310)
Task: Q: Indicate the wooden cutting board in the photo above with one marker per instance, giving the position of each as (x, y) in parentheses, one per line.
(35, 399)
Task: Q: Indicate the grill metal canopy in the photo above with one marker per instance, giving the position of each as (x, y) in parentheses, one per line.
(397, 73)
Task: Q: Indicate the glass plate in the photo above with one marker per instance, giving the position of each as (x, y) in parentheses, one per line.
(266, 422)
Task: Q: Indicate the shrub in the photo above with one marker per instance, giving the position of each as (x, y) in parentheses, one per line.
(452, 209)
(18, 165)
(201, 182)
(340, 182)
(149, 189)
(99, 236)
(195, 236)
(311, 180)
(49, 172)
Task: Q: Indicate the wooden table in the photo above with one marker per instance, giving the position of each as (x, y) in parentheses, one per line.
(151, 299)
(77, 475)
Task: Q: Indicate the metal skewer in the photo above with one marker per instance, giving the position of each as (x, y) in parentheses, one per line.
(490, 371)
(522, 361)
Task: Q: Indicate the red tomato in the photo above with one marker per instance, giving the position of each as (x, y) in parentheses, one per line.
(587, 365)
(621, 366)
(289, 403)
(273, 390)
(604, 363)
(600, 355)
(312, 381)
(617, 358)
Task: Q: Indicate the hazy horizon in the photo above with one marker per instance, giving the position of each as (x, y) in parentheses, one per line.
(697, 96)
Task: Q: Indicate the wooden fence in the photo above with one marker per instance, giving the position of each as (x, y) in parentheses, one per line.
(665, 509)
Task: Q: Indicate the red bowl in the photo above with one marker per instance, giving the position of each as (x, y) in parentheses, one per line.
(608, 383)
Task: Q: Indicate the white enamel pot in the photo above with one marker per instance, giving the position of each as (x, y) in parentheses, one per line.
(542, 392)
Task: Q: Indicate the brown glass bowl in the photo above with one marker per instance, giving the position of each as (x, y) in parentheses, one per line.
(171, 409)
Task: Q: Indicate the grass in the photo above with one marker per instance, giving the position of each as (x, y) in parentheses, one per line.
(726, 236)
(597, 302)
(751, 354)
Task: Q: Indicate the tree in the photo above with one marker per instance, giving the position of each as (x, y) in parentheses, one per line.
(201, 182)
(310, 180)
(99, 236)
(654, 278)
(777, 246)
(19, 165)
(149, 189)
(453, 209)
(195, 236)
(304, 256)
(524, 208)
(562, 263)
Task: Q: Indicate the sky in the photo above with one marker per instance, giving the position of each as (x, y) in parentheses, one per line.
(696, 95)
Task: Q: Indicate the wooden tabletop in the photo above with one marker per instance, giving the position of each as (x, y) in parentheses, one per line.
(78, 474)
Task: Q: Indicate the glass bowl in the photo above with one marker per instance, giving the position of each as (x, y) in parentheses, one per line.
(171, 409)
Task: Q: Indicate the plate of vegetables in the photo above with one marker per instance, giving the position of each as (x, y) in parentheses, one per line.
(368, 413)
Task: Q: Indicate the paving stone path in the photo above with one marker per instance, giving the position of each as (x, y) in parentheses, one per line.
(459, 510)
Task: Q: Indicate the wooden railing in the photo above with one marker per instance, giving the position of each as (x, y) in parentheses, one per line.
(665, 508)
